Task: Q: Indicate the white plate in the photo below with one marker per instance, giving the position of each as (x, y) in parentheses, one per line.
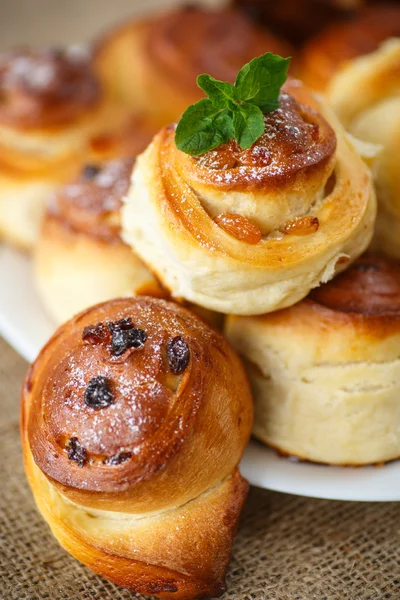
(25, 325)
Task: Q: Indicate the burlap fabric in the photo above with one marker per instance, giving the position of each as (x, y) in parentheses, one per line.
(287, 548)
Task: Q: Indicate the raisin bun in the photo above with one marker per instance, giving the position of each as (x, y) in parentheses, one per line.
(152, 64)
(325, 373)
(252, 231)
(366, 97)
(54, 116)
(330, 50)
(135, 416)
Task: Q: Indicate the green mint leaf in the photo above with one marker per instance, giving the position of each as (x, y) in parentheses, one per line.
(203, 127)
(221, 94)
(259, 82)
(233, 111)
(248, 125)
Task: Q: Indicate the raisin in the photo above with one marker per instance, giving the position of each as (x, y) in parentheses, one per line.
(178, 354)
(119, 458)
(122, 324)
(301, 226)
(239, 227)
(98, 393)
(90, 171)
(96, 334)
(125, 335)
(76, 452)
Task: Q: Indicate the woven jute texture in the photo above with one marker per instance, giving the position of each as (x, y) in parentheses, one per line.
(287, 548)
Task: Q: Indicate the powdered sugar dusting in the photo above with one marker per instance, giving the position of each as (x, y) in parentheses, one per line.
(293, 139)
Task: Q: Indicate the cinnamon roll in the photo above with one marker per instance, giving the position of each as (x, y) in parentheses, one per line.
(153, 64)
(366, 97)
(325, 373)
(253, 231)
(331, 49)
(54, 116)
(135, 416)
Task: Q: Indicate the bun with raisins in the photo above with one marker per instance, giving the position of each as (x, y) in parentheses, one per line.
(135, 416)
(253, 231)
(325, 373)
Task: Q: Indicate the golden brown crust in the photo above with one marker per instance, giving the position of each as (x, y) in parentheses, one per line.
(165, 53)
(370, 287)
(297, 140)
(252, 232)
(363, 301)
(182, 553)
(189, 41)
(134, 418)
(312, 170)
(91, 204)
(296, 152)
(45, 88)
(155, 420)
(341, 42)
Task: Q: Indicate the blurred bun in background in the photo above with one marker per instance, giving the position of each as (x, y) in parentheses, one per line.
(366, 96)
(152, 64)
(340, 42)
(297, 19)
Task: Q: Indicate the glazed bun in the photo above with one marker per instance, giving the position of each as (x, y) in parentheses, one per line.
(325, 373)
(135, 416)
(248, 232)
(331, 49)
(153, 64)
(54, 116)
(366, 97)
(80, 259)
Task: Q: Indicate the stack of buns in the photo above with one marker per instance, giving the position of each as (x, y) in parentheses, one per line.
(137, 412)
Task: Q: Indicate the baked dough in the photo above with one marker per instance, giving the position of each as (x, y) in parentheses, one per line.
(135, 416)
(366, 97)
(80, 259)
(340, 42)
(325, 373)
(152, 64)
(249, 232)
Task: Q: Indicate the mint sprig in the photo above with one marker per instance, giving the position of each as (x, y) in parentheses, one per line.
(233, 111)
